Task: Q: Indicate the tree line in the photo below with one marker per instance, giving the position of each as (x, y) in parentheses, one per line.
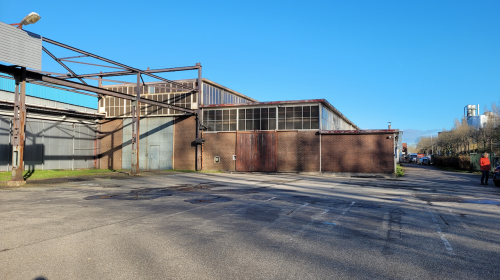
(463, 139)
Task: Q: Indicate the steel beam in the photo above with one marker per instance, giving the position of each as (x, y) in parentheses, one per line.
(45, 39)
(125, 73)
(53, 80)
(198, 116)
(92, 64)
(136, 113)
(18, 137)
(62, 64)
(69, 57)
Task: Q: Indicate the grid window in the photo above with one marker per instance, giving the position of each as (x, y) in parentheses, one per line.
(220, 120)
(298, 117)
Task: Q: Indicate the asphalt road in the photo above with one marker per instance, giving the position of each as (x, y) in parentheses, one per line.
(427, 225)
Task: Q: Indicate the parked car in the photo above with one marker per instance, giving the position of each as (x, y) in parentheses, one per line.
(496, 176)
(424, 161)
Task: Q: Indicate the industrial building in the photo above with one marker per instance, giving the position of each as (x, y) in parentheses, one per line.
(242, 134)
(193, 124)
(59, 133)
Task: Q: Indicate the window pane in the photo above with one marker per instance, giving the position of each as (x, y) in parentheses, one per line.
(306, 111)
(272, 124)
(315, 111)
(314, 123)
(241, 124)
(256, 124)
(211, 115)
(272, 113)
(225, 115)
(281, 123)
(218, 115)
(205, 116)
(211, 126)
(281, 112)
(289, 112)
(297, 112)
(297, 123)
(306, 123)
(249, 114)
(289, 123)
(218, 125)
(264, 113)
(225, 125)
(264, 124)
(241, 114)
(232, 114)
(232, 125)
(249, 125)
(256, 113)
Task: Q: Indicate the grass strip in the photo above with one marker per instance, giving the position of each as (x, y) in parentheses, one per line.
(56, 173)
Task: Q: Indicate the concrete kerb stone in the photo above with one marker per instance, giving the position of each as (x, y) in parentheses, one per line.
(15, 183)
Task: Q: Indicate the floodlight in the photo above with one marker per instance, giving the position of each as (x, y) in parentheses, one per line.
(29, 19)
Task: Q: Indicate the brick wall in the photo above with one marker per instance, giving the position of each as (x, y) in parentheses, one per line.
(357, 153)
(221, 144)
(184, 149)
(111, 144)
(298, 151)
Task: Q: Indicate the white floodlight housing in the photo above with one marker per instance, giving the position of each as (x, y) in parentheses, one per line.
(30, 19)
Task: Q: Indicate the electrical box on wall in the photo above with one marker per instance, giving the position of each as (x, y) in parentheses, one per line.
(217, 159)
(234, 157)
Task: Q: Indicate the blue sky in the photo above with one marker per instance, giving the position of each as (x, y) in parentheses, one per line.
(413, 63)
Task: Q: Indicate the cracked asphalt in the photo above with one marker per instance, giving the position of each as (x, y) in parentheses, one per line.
(429, 224)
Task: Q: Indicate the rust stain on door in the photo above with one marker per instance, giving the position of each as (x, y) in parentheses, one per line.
(256, 151)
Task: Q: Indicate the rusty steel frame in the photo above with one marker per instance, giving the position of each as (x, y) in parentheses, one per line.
(128, 72)
(62, 64)
(21, 75)
(136, 114)
(132, 69)
(19, 122)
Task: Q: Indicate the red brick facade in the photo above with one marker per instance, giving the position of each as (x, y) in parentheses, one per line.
(184, 148)
(222, 144)
(111, 144)
(357, 153)
(298, 151)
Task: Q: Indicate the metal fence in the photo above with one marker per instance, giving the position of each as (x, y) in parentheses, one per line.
(51, 145)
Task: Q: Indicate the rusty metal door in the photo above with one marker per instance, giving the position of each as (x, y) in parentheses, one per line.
(256, 151)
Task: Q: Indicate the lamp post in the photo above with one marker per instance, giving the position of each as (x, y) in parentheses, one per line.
(29, 19)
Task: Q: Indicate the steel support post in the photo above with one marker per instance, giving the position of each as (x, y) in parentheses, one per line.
(19, 122)
(136, 113)
(198, 116)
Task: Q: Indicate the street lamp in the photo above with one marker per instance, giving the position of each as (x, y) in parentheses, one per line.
(29, 19)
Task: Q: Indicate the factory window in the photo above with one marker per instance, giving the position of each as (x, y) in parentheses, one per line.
(298, 117)
(220, 120)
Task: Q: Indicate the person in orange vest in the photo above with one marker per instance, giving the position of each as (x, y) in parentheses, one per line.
(484, 162)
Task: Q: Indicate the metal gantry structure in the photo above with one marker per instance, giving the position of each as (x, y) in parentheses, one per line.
(22, 75)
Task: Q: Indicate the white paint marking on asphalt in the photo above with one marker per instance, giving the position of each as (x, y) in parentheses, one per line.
(347, 209)
(340, 216)
(271, 198)
(276, 221)
(446, 243)
(315, 217)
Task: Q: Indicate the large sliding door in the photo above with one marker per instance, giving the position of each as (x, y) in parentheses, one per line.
(256, 151)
